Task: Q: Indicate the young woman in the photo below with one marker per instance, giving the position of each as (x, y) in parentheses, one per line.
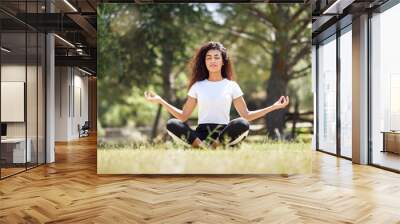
(212, 88)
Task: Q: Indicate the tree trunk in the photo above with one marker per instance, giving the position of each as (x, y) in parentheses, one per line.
(168, 79)
(169, 95)
(156, 122)
(276, 87)
(295, 117)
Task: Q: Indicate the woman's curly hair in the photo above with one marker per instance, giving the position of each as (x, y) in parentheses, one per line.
(198, 67)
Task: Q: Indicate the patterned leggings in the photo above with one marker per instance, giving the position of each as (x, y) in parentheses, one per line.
(228, 134)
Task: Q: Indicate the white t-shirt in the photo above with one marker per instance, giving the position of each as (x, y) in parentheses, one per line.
(214, 99)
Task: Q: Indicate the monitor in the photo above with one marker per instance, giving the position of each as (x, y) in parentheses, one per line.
(3, 129)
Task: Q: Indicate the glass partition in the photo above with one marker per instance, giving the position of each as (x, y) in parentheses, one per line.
(385, 89)
(22, 92)
(327, 95)
(15, 151)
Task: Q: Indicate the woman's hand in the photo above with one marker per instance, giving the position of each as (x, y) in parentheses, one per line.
(152, 97)
(281, 103)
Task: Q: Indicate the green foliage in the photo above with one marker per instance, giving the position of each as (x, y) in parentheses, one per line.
(137, 41)
(133, 43)
(261, 31)
(133, 110)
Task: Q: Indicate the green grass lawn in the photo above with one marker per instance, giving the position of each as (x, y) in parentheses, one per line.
(256, 157)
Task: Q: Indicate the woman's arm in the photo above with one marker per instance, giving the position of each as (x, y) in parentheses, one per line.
(241, 108)
(182, 115)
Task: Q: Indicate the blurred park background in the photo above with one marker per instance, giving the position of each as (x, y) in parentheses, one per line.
(148, 46)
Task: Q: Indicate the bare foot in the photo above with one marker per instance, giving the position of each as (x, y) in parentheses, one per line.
(215, 144)
(198, 144)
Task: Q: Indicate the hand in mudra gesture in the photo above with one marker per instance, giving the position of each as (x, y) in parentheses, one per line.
(152, 97)
(282, 102)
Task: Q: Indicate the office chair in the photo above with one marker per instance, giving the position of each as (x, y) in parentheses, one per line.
(84, 130)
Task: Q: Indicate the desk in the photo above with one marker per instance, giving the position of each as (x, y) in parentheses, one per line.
(15, 148)
(391, 141)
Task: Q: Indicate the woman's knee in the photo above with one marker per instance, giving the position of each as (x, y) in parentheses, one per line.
(173, 124)
(236, 131)
(179, 130)
(241, 123)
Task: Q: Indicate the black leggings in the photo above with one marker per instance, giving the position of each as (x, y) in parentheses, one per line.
(230, 134)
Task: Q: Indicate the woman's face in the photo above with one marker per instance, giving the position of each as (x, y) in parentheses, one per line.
(214, 60)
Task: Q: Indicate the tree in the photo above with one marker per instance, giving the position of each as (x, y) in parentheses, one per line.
(117, 72)
(152, 44)
(283, 32)
(142, 46)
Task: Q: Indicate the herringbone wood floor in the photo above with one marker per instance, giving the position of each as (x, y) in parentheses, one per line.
(70, 191)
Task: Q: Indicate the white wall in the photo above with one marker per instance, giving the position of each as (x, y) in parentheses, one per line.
(61, 103)
(33, 126)
(80, 110)
(71, 94)
(12, 73)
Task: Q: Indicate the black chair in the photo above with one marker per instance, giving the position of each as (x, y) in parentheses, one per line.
(84, 130)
